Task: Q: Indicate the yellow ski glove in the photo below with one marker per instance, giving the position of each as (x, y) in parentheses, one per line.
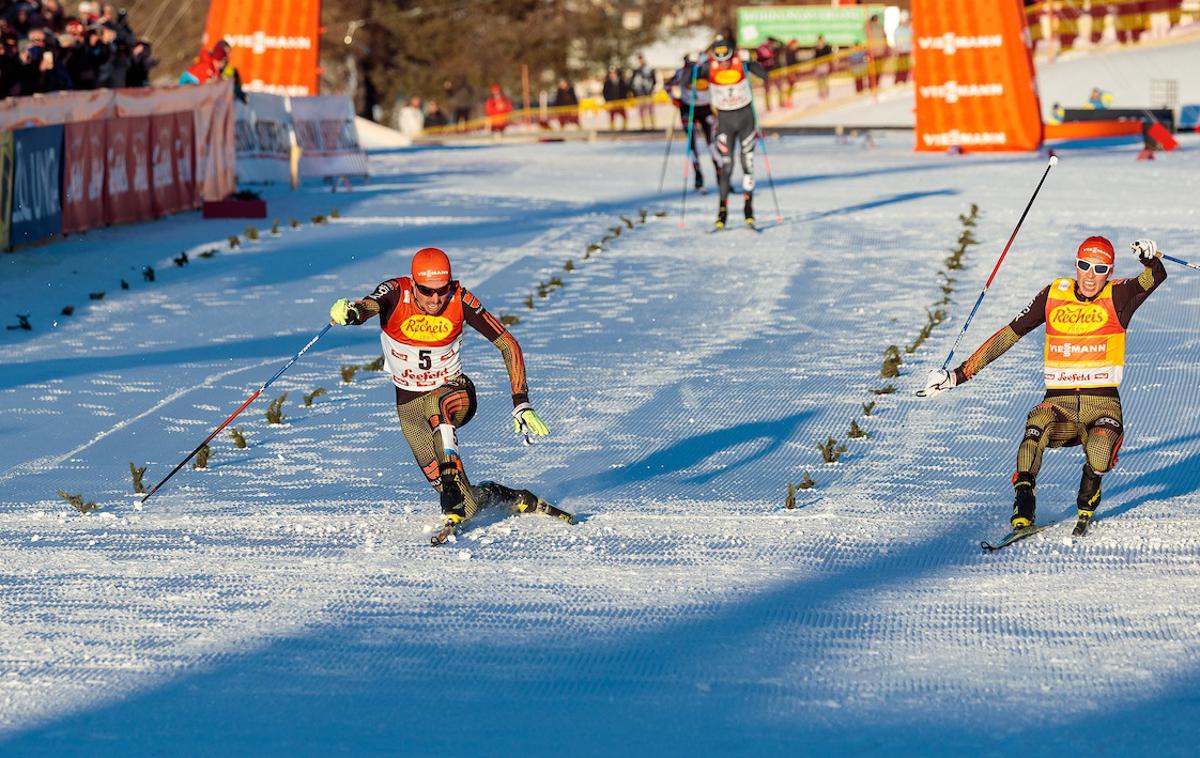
(527, 422)
(339, 312)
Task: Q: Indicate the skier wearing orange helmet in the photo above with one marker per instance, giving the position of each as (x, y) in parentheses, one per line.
(1086, 318)
(421, 318)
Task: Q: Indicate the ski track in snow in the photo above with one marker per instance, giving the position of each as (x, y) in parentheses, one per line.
(286, 600)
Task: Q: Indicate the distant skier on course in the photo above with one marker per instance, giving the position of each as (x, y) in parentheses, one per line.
(1086, 319)
(732, 99)
(422, 317)
(695, 107)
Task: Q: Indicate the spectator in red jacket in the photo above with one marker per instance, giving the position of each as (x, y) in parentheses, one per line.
(209, 65)
(497, 107)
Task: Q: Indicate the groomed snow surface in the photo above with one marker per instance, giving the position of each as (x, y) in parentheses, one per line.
(286, 600)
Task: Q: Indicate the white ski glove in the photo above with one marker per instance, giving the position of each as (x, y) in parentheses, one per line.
(938, 380)
(1145, 250)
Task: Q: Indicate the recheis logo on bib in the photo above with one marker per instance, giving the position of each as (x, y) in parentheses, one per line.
(425, 328)
(726, 76)
(1078, 319)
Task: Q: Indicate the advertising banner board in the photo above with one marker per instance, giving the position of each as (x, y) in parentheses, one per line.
(326, 133)
(37, 184)
(273, 43)
(976, 88)
(842, 25)
(84, 161)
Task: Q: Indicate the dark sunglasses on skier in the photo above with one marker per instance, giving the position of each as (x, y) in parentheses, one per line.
(431, 291)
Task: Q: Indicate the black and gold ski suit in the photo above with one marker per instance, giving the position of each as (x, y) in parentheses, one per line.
(1088, 416)
(421, 413)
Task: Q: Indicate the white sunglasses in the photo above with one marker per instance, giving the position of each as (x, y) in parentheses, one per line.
(1099, 268)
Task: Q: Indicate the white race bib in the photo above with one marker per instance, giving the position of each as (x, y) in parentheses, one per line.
(731, 97)
(419, 368)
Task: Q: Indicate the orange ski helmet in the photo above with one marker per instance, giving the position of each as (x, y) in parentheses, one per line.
(1097, 247)
(431, 267)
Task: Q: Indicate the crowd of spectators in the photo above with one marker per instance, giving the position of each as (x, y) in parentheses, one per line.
(43, 48)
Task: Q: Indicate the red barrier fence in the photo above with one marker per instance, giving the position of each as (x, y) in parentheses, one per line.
(132, 155)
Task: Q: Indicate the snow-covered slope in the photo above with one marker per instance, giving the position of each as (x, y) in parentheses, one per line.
(285, 599)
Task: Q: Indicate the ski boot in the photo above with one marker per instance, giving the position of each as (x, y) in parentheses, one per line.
(1087, 500)
(748, 209)
(454, 508)
(699, 180)
(1024, 502)
(722, 214)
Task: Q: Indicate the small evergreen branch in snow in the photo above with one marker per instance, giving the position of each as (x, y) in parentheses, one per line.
(202, 454)
(311, 396)
(22, 323)
(831, 450)
(137, 474)
(891, 362)
(275, 410)
(78, 503)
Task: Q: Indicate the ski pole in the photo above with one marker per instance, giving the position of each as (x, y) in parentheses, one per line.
(1181, 262)
(662, 176)
(763, 141)
(686, 160)
(966, 325)
(241, 408)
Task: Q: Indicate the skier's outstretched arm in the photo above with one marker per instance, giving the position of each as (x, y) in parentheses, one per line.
(525, 418)
(1129, 294)
(993, 347)
(343, 312)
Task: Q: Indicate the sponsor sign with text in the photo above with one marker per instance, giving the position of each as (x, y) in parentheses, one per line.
(975, 82)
